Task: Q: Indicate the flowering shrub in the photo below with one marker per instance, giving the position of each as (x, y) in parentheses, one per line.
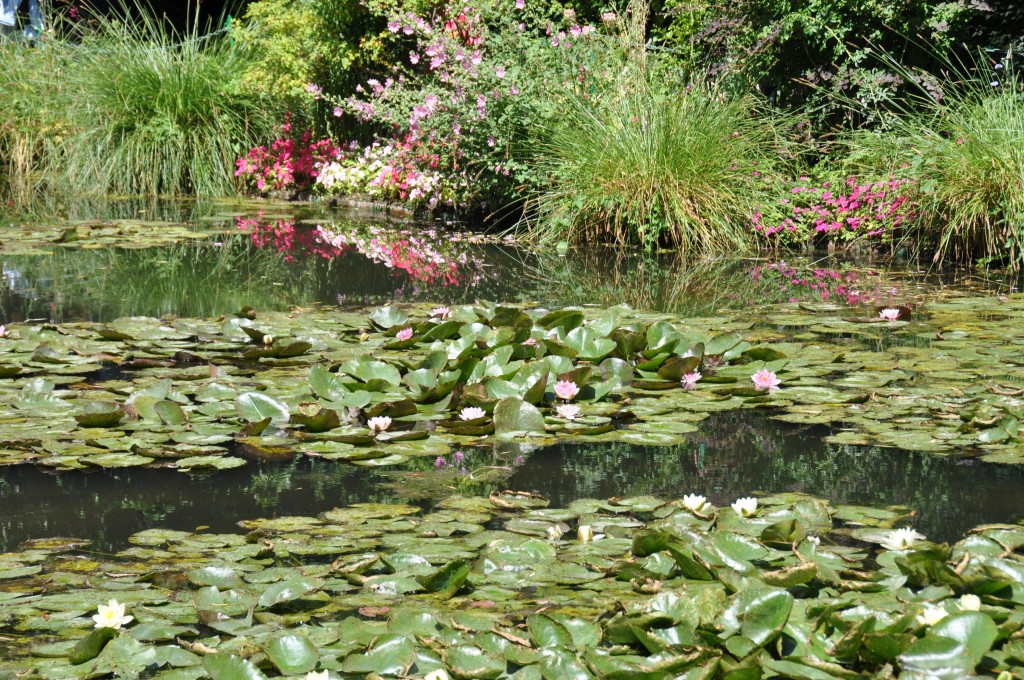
(816, 284)
(472, 91)
(856, 210)
(399, 171)
(289, 164)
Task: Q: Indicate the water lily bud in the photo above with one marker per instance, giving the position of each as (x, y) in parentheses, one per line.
(554, 533)
(363, 337)
(585, 533)
(931, 615)
(268, 339)
(970, 602)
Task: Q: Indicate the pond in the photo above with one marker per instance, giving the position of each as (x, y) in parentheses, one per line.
(732, 456)
(313, 258)
(314, 441)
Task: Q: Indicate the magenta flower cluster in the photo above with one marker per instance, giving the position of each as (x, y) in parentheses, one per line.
(854, 210)
(288, 164)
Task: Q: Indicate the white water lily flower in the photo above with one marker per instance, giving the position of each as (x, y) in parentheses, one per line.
(111, 615)
(554, 533)
(317, 675)
(931, 615)
(901, 539)
(585, 533)
(378, 424)
(693, 502)
(471, 413)
(745, 507)
(439, 674)
(970, 602)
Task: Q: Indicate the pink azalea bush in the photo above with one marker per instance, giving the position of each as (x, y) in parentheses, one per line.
(855, 210)
(288, 164)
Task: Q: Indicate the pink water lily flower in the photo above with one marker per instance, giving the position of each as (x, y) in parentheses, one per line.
(378, 424)
(530, 341)
(441, 312)
(889, 314)
(690, 380)
(566, 389)
(4, 333)
(567, 411)
(766, 380)
(471, 413)
(404, 334)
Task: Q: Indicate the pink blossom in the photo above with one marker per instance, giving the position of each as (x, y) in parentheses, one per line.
(500, 71)
(566, 389)
(337, 111)
(690, 380)
(414, 58)
(520, 4)
(441, 312)
(889, 314)
(765, 380)
(404, 334)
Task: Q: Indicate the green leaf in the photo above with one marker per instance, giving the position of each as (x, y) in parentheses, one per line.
(388, 317)
(447, 580)
(936, 651)
(759, 614)
(231, 667)
(472, 662)
(546, 632)
(515, 415)
(390, 655)
(255, 406)
(91, 645)
(973, 630)
(170, 413)
(286, 591)
(292, 654)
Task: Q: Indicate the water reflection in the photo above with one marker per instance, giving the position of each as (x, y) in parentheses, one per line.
(734, 454)
(376, 266)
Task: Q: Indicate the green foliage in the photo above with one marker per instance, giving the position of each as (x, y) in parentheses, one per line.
(805, 53)
(301, 43)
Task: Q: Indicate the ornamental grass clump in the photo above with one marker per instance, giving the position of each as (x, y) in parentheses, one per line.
(154, 111)
(637, 164)
(963, 149)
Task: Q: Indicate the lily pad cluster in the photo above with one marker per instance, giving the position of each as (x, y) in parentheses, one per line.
(508, 587)
(201, 394)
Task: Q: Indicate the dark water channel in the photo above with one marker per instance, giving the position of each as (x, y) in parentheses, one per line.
(275, 265)
(733, 455)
